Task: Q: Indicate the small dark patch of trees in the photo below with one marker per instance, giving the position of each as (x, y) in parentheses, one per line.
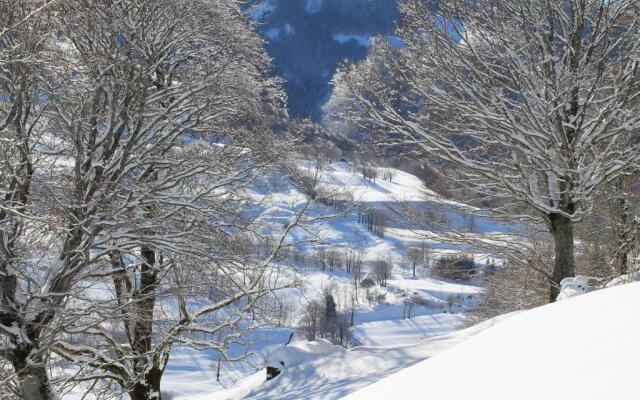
(387, 174)
(381, 271)
(369, 173)
(367, 283)
(323, 320)
(456, 267)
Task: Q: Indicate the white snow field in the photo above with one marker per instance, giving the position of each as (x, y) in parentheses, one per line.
(192, 374)
(406, 331)
(585, 347)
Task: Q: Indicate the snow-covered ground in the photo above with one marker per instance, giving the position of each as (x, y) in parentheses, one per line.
(331, 372)
(340, 180)
(391, 341)
(585, 347)
(406, 331)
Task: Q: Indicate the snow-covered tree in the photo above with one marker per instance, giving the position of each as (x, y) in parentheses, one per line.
(198, 71)
(531, 102)
(130, 133)
(25, 53)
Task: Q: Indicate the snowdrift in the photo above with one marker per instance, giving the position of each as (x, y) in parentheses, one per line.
(320, 371)
(585, 347)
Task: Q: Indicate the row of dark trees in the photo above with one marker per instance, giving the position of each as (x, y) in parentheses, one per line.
(375, 220)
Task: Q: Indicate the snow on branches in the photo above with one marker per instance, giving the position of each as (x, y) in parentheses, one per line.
(534, 102)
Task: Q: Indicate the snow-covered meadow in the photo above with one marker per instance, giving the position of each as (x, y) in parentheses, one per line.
(378, 326)
(383, 334)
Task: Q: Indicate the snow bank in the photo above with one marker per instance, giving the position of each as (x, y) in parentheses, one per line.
(297, 353)
(331, 374)
(577, 285)
(574, 286)
(582, 348)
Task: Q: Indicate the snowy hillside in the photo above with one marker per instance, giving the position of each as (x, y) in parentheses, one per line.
(331, 372)
(582, 348)
(343, 180)
(319, 199)
(382, 326)
(392, 323)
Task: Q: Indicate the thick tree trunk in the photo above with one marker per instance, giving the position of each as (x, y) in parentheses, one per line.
(31, 372)
(561, 229)
(149, 388)
(32, 375)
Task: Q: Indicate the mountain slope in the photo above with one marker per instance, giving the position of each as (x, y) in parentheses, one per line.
(308, 38)
(192, 375)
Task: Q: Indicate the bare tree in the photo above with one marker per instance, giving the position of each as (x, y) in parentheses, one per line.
(622, 215)
(195, 100)
(419, 257)
(533, 103)
(312, 319)
(130, 132)
(25, 53)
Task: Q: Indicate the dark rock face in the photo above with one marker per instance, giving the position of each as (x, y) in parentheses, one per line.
(308, 38)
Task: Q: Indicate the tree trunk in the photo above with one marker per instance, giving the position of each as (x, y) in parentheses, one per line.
(32, 375)
(622, 216)
(622, 260)
(561, 229)
(31, 372)
(148, 388)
